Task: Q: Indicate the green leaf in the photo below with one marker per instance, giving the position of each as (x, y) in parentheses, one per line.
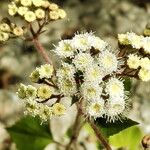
(109, 129)
(129, 138)
(127, 84)
(30, 134)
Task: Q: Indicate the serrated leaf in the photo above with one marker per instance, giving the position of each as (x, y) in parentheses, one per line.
(132, 136)
(109, 129)
(29, 134)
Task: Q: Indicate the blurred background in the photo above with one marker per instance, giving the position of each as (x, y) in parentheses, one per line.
(106, 18)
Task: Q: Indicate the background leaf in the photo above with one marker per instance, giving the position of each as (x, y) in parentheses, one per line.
(109, 129)
(129, 138)
(30, 134)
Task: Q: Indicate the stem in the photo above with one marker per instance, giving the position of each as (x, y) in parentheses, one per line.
(99, 135)
(76, 130)
(41, 50)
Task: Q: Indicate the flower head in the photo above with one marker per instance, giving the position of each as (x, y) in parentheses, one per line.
(115, 88)
(115, 109)
(31, 92)
(82, 61)
(46, 71)
(133, 61)
(26, 2)
(59, 109)
(22, 10)
(22, 91)
(144, 74)
(18, 31)
(91, 90)
(5, 27)
(81, 41)
(65, 48)
(108, 62)
(96, 108)
(37, 3)
(30, 16)
(40, 13)
(45, 92)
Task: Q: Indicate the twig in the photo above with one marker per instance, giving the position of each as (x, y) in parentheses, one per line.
(99, 135)
(76, 130)
(41, 50)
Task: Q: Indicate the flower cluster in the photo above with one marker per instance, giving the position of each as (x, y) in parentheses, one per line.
(31, 10)
(35, 98)
(9, 30)
(141, 60)
(90, 73)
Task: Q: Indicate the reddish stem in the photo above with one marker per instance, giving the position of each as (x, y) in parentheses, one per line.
(41, 50)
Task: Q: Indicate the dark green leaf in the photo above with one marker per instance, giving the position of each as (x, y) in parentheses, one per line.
(109, 129)
(30, 134)
(127, 84)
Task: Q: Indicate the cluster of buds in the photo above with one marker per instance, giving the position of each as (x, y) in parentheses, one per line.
(9, 30)
(31, 10)
(139, 60)
(35, 98)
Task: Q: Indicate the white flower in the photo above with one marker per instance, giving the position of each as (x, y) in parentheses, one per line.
(31, 92)
(30, 16)
(108, 61)
(144, 74)
(93, 74)
(40, 13)
(133, 61)
(26, 2)
(65, 48)
(32, 107)
(53, 6)
(4, 36)
(45, 71)
(91, 90)
(115, 88)
(96, 108)
(115, 108)
(62, 14)
(145, 63)
(67, 86)
(22, 10)
(122, 38)
(12, 9)
(81, 41)
(18, 31)
(82, 61)
(37, 3)
(135, 40)
(53, 15)
(97, 43)
(5, 27)
(66, 70)
(146, 45)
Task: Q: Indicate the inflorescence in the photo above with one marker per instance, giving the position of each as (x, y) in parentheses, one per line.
(89, 72)
(40, 11)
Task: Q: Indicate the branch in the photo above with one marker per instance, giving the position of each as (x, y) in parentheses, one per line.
(99, 135)
(76, 130)
(41, 50)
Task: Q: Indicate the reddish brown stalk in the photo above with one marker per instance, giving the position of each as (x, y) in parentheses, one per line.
(99, 135)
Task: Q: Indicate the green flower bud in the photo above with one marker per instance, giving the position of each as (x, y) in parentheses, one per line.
(22, 91)
(35, 76)
(31, 92)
